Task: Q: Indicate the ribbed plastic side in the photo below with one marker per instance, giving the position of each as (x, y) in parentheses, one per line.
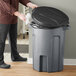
(48, 49)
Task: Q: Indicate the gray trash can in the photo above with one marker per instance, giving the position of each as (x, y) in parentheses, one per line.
(48, 37)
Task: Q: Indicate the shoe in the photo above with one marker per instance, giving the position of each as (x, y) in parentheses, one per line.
(5, 66)
(18, 58)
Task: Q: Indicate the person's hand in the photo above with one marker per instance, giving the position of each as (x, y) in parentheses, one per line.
(31, 5)
(20, 16)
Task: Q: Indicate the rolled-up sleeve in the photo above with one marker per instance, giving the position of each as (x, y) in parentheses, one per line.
(7, 7)
(24, 2)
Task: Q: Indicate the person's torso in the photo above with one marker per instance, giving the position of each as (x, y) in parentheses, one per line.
(5, 17)
(13, 3)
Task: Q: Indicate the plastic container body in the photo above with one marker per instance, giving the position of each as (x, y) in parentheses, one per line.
(48, 49)
(48, 36)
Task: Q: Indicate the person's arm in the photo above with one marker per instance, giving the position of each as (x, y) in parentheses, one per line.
(7, 7)
(32, 5)
(28, 3)
(20, 15)
(25, 3)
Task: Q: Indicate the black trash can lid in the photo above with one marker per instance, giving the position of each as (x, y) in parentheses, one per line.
(49, 17)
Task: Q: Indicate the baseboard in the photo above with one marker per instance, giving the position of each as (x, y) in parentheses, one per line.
(30, 61)
(66, 61)
(69, 61)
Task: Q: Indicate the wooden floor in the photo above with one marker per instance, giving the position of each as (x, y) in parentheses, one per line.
(24, 69)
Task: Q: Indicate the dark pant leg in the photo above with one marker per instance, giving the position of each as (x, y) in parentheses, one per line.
(4, 28)
(12, 35)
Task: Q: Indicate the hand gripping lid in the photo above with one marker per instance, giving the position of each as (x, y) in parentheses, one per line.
(49, 17)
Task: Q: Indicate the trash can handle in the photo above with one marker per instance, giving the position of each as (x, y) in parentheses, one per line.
(67, 27)
(33, 24)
